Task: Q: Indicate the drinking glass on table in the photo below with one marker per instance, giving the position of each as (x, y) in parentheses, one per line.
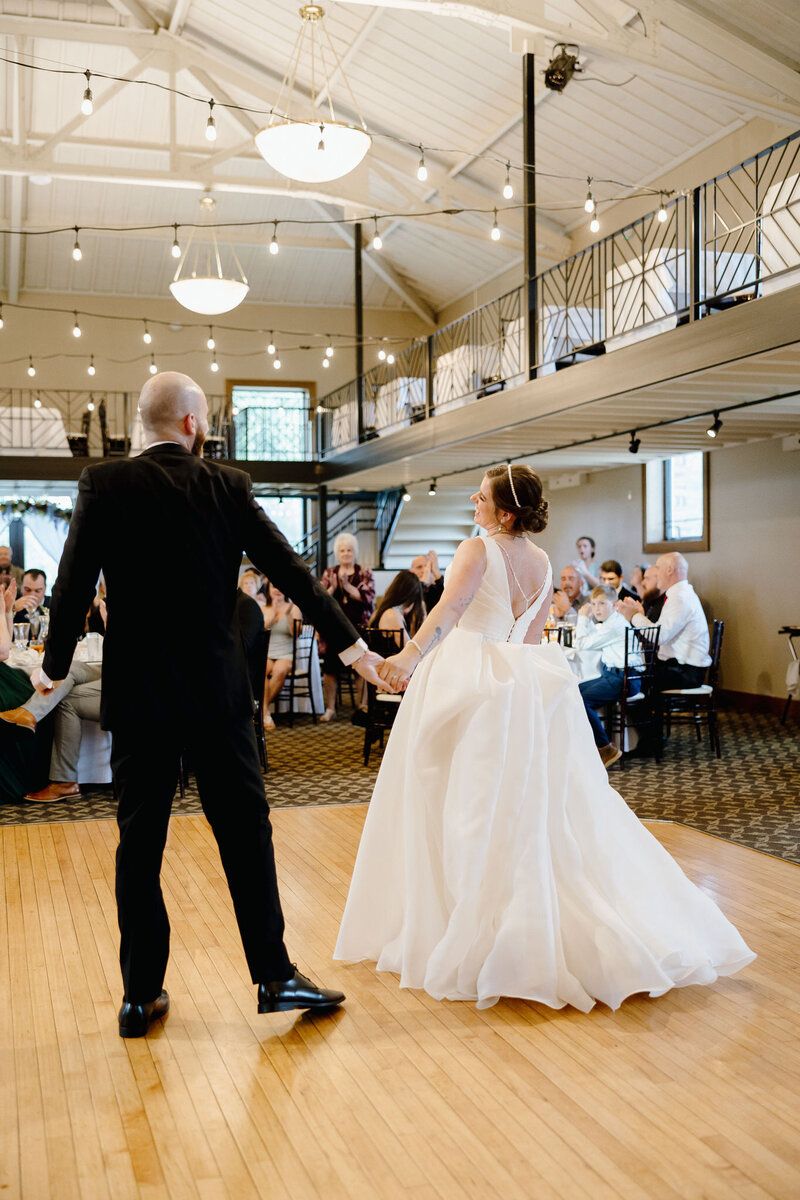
(22, 633)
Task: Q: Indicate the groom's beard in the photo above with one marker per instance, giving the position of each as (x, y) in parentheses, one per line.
(197, 444)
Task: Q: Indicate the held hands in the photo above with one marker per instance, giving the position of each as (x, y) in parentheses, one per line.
(397, 670)
(628, 607)
(369, 666)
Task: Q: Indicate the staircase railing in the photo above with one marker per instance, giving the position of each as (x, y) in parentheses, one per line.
(389, 506)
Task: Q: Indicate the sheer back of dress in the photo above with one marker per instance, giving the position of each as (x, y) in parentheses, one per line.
(490, 612)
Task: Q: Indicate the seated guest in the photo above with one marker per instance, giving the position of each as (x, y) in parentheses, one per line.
(354, 588)
(637, 579)
(652, 597)
(402, 609)
(279, 618)
(8, 570)
(81, 702)
(17, 745)
(30, 603)
(584, 563)
(607, 635)
(255, 586)
(683, 657)
(568, 602)
(426, 569)
(611, 576)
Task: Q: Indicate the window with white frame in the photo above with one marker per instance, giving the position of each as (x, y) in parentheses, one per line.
(676, 510)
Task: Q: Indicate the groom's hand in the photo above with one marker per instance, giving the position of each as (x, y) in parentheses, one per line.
(41, 688)
(367, 668)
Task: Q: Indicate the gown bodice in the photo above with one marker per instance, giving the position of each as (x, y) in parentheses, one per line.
(490, 613)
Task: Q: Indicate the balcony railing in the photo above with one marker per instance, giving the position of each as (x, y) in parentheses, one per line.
(734, 238)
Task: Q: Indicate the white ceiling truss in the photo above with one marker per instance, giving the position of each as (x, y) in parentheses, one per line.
(682, 48)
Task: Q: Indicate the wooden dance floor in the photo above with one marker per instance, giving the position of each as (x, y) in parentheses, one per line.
(696, 1094)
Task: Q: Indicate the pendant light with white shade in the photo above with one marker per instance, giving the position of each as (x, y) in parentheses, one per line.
(199, 282)
(310, 147)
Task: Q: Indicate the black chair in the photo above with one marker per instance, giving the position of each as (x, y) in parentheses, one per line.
(381, 706)
(693, 705)
(299, 680)
(642, 710)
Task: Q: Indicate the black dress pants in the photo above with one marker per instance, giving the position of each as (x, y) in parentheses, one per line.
(144, 763)
(673, 674)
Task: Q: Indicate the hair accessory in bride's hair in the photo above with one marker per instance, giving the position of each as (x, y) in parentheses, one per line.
(513, 489)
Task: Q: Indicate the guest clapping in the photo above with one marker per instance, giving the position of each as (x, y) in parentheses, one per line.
(426, 568)
(584, 563)
(568, 602)
(279, 617)
(354, 588)
(652, 596)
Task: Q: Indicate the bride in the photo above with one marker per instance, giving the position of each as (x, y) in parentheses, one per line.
(496, 859)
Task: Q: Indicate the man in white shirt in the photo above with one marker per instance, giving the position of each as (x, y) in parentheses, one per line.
(607, 635)
(683, 657)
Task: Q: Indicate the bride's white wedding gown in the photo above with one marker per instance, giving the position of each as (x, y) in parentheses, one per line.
(496, 858)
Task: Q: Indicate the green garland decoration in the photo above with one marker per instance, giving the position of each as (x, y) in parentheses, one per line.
(18, 508)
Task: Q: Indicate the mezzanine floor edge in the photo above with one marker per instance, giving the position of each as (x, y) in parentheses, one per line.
(696, 1094)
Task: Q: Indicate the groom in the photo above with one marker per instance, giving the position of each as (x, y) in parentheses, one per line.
(179, 683)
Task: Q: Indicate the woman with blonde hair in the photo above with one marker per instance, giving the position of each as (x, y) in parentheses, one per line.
(354, 588)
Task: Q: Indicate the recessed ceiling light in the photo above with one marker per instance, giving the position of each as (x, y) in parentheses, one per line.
(41, 180)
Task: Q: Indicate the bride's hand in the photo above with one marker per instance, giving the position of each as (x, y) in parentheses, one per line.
(397, 670)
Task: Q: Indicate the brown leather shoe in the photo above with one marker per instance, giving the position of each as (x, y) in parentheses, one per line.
(54, 791)
(21, 717)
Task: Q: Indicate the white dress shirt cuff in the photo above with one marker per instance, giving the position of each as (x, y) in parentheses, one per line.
(48, 683)
(353, 653)
(640, 620)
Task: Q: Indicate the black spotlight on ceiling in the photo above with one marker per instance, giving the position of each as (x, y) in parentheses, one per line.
(432, 488)
(562, 66)
(635, 443)
(715, 427)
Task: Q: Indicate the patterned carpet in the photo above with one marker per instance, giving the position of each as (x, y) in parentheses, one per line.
(751, 796)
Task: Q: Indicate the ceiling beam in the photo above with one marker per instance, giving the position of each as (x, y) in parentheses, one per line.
(384, 271)
(179, 14)
(135, 10)
(349, 54)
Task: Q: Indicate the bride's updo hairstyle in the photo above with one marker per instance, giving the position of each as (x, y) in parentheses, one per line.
(530, 514)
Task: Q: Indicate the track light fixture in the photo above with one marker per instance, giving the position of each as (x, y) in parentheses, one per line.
(495, 234)
(211, 124)
(432, 488)
(508, 189)
(715, 427)
(636, 442)
(87, 103)
(176, 248)
(273, 246)
(77, 253)
(422, 170)
(562, 66)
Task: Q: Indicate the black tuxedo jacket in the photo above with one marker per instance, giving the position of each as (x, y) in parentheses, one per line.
(173, 651)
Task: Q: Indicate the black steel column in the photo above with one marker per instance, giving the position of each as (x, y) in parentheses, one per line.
(359, 281)
(322, 527)
(529, 196)
(696, 234)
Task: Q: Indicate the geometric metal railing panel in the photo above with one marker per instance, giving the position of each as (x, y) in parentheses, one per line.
(480, 351)
(395, 394)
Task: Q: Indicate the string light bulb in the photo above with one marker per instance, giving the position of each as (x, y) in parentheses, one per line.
(390, 359)
(432, 488)
(594, 224)
(76, 329)
(153, 369)
(211, 344)
(147, 337)
(589, 204)
(273, 246)
(1, 316)
(406, 497)
(211, 124)
(90, 406)
(329, 348)
(381, 354)
(214, 364)
(662, 212)
(271, 345)
(77, 253)
(276, 362)
(31, 367)
(176, 247)
(37, 403)
(377, 240)
(87, 103)
(326, 362)
(495, 235)
(714, 428)
(422, 170)
(90, 370)
(508, 190)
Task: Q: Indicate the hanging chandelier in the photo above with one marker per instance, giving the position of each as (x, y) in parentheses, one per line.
(199, 283)
(312, 148)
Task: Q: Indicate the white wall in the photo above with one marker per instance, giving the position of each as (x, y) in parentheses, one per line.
(750, 578)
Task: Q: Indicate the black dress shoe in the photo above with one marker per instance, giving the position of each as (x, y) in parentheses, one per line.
(297, 992)
(135, 1019)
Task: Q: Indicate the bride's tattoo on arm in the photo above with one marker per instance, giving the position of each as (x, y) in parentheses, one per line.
(437, 637)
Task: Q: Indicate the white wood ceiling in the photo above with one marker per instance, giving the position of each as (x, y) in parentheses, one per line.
(448, 76)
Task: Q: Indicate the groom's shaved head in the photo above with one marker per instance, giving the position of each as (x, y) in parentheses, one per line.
(167, 398)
